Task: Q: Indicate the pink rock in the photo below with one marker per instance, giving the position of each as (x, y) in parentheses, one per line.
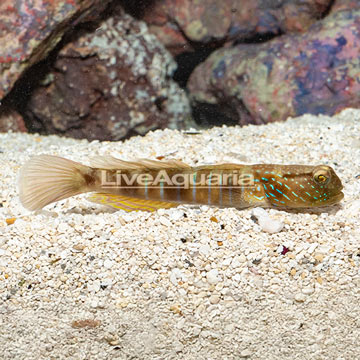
(182, 25)
(316, 72)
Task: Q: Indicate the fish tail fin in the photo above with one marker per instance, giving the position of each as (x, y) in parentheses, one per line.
(46, 179)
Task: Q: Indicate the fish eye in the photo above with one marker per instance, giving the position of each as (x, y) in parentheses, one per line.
(322, 176)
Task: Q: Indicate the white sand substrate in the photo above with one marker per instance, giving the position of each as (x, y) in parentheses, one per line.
(80, 281)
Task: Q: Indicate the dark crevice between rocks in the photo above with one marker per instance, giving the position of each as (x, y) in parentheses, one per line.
(228, 112)
(136, 8)
(187, 62)
(258, 38)
(208, 115)
(327, 11)
(20, 95)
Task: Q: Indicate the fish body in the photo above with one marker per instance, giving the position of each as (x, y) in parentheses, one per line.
(149, 185)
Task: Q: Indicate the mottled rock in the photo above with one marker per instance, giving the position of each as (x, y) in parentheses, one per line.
(108, 84)
(317, 73)
(10, 119)
(181, 24)
(30, 29)
(345, 5)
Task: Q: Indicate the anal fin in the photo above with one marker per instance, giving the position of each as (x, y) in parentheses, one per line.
(129, 203)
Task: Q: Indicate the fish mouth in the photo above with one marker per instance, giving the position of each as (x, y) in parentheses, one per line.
(334, 199)
(339, 196)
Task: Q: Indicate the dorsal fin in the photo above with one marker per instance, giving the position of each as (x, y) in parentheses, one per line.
(111, 163)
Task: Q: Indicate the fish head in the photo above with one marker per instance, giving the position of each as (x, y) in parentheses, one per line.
(300, 186)
(327, 185)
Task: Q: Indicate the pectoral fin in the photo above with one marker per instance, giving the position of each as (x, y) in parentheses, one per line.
(128, 203)
(255, 196)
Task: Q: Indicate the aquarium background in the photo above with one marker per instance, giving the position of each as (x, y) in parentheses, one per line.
(108, 70)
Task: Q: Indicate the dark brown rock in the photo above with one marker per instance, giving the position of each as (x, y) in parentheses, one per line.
(109, 84)
(30, 29)
(182, 24)
(317, 72)
(10, 120)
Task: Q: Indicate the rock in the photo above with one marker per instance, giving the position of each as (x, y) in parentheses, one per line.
(246, 353)
(108, 264)
(108, 84)
(165, 221)
(10, 119)
(205, 249)
(299, 297)
(352, 209)
(175, 276)
(344, 5)
(31, 29)
(94, 304)
(214, 299)
(308, 290)
(291, 75)
(259, 212)
(95, 286)
(176, 215)
(266, 223)
(236, 262)
(182, 25)
(213, 276)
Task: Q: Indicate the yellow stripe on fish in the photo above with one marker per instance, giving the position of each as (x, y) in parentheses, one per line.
(148, 185)
(129, 204)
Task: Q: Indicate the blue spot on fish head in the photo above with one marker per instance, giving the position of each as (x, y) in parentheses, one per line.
(312, 186)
